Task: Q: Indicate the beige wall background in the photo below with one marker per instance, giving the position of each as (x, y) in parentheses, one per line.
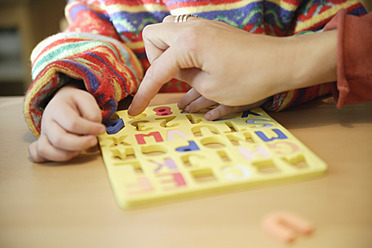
(30, 21)
(367, 4)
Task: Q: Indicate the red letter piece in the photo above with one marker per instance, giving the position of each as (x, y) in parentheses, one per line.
(162, 111)
(141, 137)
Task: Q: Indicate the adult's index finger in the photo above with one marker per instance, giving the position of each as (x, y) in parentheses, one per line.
(162, 70)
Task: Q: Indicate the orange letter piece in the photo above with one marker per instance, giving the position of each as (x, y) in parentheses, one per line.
(286, 226)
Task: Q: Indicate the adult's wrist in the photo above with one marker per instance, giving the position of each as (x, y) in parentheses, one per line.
(314, 59)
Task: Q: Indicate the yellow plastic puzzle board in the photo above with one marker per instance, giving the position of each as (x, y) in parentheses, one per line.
(165, 153)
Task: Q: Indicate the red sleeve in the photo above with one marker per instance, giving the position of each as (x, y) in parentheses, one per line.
(354, 58)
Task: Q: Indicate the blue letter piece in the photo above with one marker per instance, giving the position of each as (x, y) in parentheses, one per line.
(115, 126)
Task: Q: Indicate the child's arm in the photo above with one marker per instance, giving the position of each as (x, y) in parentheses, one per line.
(90, 50)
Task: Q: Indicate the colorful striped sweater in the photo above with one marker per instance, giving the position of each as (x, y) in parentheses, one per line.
(103, 44)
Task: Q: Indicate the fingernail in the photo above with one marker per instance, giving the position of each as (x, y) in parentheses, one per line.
(180, 105)
(208, 116)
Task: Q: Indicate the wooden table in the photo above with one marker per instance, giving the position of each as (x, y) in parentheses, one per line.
(72, 205)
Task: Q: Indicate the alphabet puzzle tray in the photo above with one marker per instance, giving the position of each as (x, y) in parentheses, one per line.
(164, 153)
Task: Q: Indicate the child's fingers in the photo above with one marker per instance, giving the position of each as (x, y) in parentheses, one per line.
(63, 140)
(77, 124)
(42, 151)
(34, 154)
(88, 107)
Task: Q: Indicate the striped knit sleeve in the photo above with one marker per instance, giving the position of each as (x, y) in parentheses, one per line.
(89, 50)
(312, 17)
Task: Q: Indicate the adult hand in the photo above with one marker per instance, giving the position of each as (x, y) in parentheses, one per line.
(193, 102)
(224, 64)
(70, 123)
(231, 66)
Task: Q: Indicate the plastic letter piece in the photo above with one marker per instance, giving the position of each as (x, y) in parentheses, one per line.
(168, 162)
(115, 126)
(141, 137)
(172, 181)
(249, 155)
(191, 147)
(172, 134)
(280, 134)
(286, 226)
(161, 111)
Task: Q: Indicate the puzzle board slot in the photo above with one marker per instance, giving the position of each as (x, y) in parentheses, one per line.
(203, 175)
(204, 130)
(266, 166)
(118, 140)
(192, 160)
(140, 125)
(123, 153)
(135, 166)
(167, 121)
(298, 162)
(249, 138)
(153, 150)
(233, 128)
(213, 142)
(192, 119)
(223, 155)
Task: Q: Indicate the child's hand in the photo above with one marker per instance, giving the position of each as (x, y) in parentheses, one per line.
(70, 123)
(192, 102)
